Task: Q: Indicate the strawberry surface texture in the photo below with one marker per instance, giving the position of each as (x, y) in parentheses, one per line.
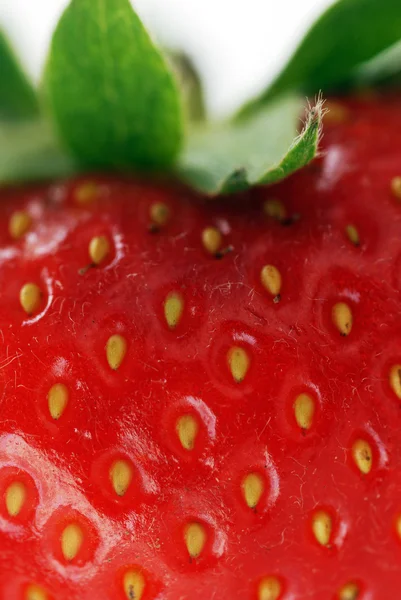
(200, 399)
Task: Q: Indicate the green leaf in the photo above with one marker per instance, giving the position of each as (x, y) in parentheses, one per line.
(348, 34)
(190, 85)
(114, 99)
(29, 151)
(383, 70)
(17, 96)
(260, 150)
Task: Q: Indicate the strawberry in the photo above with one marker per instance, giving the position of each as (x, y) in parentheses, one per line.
(202, 399)
(199, 355)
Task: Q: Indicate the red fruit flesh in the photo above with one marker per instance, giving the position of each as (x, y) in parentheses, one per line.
(192, 412)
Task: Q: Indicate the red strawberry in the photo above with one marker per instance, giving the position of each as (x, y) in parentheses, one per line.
(201, 400)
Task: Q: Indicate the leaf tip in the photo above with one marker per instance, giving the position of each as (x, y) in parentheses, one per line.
(314, 114)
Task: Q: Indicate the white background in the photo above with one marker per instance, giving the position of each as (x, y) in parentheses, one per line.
(237, 45)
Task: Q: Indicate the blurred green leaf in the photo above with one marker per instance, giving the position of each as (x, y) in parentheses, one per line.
(29, 151)
(190, 85)
(17, 96)
(347, 35)
(382, 70)
(113, 97)
(261, 150)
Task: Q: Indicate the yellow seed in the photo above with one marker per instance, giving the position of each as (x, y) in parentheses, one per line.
(99, 249)
(398, 526)
(271, 279)
(395, 380)
(15, 498)
(342, 318)
(269, 589)
(57, 399)
(275, 209)
(195, 539)
(19, 224)
(86, 192)
(134, 584)
(353, 235)
(336, 113)
(116, 349)
(159, 213)
(350, 591)
(71, 541)
(304, 409)
(30, 298)
(173, 309)
(362, 455)
(321, 527)
(34, 592)
(120, 476)
(187, 430)
(396, 187)
(238, 362)
(211, 239)
(252, 488)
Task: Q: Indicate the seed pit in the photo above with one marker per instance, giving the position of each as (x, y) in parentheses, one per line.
(159, 215)
(187, 430)
(304, 410)
(362, 456)
(35, 592)
(252, 488)
(195, 539)
(30, 298)
(133, 584)
(20, 223)
(275, 209)
(121, 476)
(15, 497)
(342, 318)
(86, 192)
(350, 591)
(269, 588)
(212, 240)
(72, 539)
(238, 362)
(395, 380)
(396, 187)
(322, 526)
(398, 526)
(99, 249)
(173, 309)
(353, 235)
(271, 280)
(57, 399)
(116, 349)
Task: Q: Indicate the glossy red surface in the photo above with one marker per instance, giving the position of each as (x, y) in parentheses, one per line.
(247, 427)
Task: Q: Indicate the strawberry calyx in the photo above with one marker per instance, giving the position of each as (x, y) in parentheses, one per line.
(112, 100)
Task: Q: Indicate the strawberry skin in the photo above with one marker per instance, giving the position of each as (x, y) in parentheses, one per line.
(201, 399)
